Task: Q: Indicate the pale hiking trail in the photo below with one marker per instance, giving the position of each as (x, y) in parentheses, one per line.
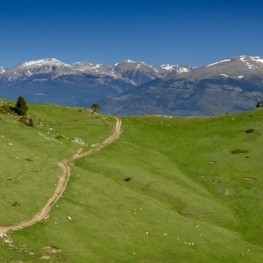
(63, 180)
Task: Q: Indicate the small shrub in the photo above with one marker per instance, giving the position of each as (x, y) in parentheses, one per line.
(7, 109)
(250, 130)
(238, 151)
(95, 107)
(26, 120)
(128, 179)
(23, 119)
(60, 137)
(15, 204)
(259, 104)
(30, 122)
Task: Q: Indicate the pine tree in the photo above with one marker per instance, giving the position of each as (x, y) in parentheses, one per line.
(21, 107)
(259, 104)
(95, 107)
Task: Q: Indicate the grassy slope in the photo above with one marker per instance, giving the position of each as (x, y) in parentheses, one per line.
(29, 155)
(190, 199)
(29, 170)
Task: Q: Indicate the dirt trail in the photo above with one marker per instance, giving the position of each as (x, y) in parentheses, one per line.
(63, 180)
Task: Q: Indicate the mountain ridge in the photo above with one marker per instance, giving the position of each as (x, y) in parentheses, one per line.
(134, 87)
(115, 70)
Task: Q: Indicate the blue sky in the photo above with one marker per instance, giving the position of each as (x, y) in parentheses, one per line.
(183, 32)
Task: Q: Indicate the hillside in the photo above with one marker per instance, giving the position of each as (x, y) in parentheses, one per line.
(194, 194)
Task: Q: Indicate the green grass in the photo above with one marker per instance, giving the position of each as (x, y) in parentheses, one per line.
(190, 198)
(29, 155)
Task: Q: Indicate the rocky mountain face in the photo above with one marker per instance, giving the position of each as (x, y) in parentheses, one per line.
(81, 83)
(131, 87)
(229, 85)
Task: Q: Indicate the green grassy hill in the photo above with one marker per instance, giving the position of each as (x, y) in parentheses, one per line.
(195, 193)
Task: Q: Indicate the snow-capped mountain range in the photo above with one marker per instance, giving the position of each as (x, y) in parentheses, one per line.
(127, 70)
(235, 67)
(132, 87)
(130, 71)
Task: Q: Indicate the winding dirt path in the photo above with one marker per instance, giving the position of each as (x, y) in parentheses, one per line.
(63, 180)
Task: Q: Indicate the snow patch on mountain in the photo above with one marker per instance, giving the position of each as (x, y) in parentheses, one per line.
(96, 66)
(246, 61)
(43, 62)
(252, 62)
(182, 69)
(130, 61)
(224, 75)
(29, 73)
(2, 70)
(218, 62)
(168, 66)
(81, 66)
(177, 68)
(257, 59)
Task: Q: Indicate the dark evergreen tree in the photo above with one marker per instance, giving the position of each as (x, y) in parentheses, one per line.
(259, 104)
(21, 107)
(95, 107)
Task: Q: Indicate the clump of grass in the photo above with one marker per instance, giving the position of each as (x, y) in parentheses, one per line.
(6, 109)
(29, 159)
(60, 137)
(238, 151)
(27, 121)
(15, 203)
(128, 179)
(250, 130)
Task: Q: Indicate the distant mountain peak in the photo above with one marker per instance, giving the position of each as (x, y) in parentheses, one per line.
(252, 62)
(41, 62)
(254, 58)
(237, 64)
(85, 66)
(168, 66)
(177, 68)
(130, 61)
(218, 62)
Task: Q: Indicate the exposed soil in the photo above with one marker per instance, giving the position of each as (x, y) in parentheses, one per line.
(63, 180)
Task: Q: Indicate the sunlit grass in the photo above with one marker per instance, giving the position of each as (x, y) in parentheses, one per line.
(190, 199)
